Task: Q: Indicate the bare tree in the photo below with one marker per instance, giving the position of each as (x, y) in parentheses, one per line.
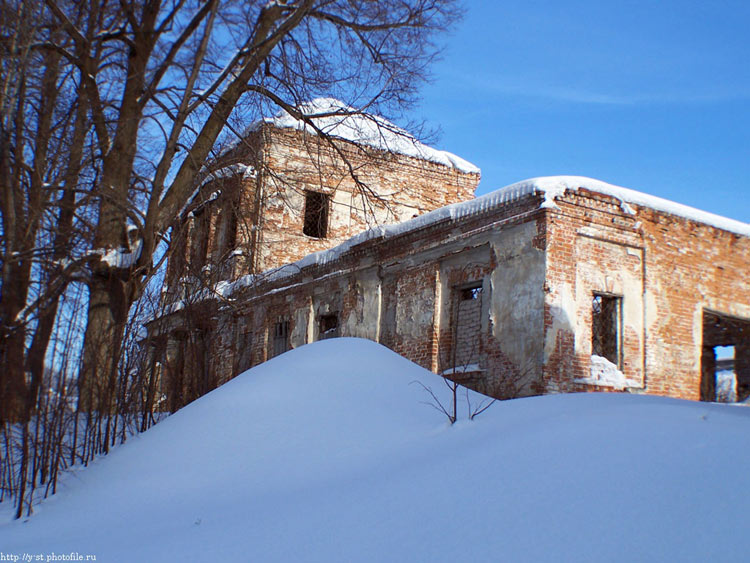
(109, 109)
(43, 133)
(160, 81)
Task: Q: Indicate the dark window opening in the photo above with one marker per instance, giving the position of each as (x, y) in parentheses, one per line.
(329, 327)
(316, 214)
(280, 337)
(199, 243)
(466, 327)
(231, 234)
(244, 347)
(605, 327)
(471, 292)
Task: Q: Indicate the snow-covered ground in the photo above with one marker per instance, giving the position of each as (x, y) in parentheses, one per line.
(328, 453)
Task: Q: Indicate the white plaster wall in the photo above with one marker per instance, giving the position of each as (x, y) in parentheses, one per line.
(363, 321)
(517, 296)
(299, 334)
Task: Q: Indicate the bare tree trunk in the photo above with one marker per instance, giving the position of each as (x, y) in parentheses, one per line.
(23, 473)
(110, 299)
(27, 200)
(15, 276)
(13, 384)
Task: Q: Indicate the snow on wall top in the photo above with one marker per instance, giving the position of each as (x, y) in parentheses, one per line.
(555, 186)
(364, 129)
(550, 187)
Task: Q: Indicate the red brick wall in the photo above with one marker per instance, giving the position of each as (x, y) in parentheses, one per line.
(401, 293)
(269, 203)
(667, 268)
(689, 267)
(539, 270)
(394, 188)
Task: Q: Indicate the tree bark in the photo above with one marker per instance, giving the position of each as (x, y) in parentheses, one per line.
(110, 299)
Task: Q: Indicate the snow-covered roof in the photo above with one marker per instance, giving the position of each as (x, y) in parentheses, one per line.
(365, 129)
(549, 187)
(242, 170)
(555, 186)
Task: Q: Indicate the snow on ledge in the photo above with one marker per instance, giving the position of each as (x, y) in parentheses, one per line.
(365, 129)
(549, 187)
(606, 374)
(468, 368)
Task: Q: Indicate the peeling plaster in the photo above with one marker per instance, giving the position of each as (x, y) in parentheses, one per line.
(517, 297)
(364, 319)
(563, 308)
(299, 334)
(414, 312)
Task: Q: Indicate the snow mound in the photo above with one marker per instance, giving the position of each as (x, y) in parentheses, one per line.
(339, 120)
(606, 374)
(328, 453)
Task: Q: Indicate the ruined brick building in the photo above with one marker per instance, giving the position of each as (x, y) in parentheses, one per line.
(549, 285)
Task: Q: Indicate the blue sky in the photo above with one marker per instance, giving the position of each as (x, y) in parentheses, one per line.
(654, 96)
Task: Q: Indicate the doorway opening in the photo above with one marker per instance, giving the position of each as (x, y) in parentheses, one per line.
(725, 362)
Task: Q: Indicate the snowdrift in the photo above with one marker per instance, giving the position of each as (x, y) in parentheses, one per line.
(328, 453)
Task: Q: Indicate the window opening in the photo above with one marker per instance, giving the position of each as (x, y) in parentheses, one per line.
(316, 214)
(244, 346)
(471, 292)
(231, 234)
(329, 327)
(726, 378)
(199, 243)
(725, 361)
(467, 325)
(280, 337)
(605, 327)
